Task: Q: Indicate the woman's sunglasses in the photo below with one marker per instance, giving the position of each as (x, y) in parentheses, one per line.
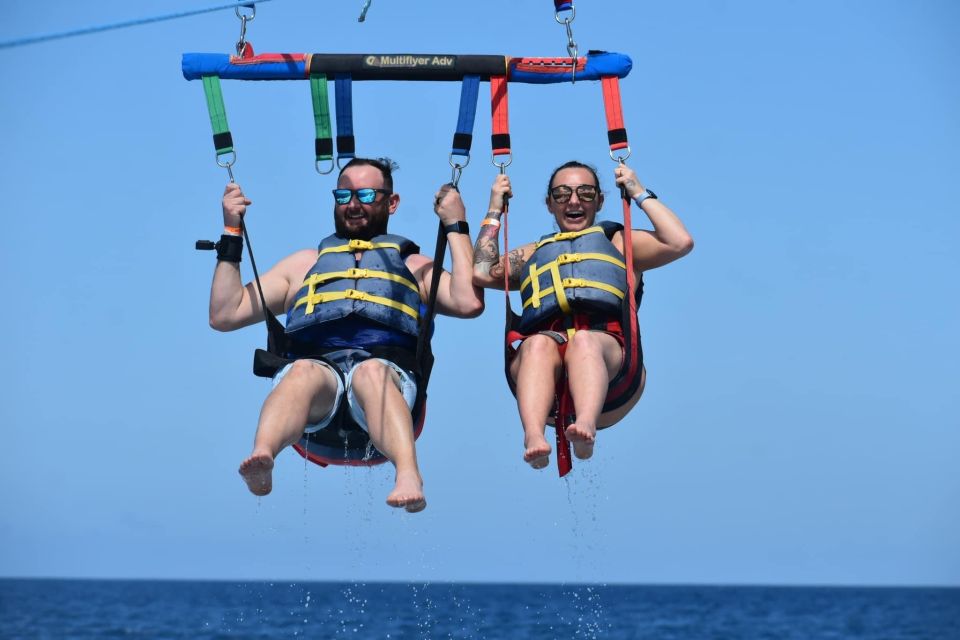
(365, 196)
(585, 193)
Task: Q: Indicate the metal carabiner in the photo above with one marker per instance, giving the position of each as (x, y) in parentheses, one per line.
(244, 19)
(455, 175)
(228, 165)
(457, 168)
(572, 49)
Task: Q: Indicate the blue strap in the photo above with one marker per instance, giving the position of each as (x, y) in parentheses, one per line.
(344, 94)
(469, 92)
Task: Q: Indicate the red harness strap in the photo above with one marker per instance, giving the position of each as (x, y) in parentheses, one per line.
(500, 130)
(616, 132)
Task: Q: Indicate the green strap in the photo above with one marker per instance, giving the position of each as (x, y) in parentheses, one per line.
(321, 118)
(222, 140)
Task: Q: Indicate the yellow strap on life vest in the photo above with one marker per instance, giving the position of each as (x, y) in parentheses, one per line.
(569, 235)
(567, 258)
(569, 283)
(352, 294)
(356, 274)
(359, 245)
(558, 287)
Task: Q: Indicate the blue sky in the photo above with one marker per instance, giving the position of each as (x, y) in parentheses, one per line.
(800, 423)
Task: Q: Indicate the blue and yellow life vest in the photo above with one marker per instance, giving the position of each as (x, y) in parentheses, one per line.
(378, 286)
(576, 271)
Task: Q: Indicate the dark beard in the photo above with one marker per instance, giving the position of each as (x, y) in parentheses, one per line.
(373, 228)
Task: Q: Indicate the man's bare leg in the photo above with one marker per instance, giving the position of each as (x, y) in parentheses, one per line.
(304, 395)
(536, 370)
(390, 426)
(592, 359)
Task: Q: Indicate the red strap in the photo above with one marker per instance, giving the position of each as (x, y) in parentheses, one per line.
(564, 409)
(500, 138)
(616, 131)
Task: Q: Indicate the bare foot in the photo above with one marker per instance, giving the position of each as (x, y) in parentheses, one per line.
(537, 453)
(408, 493)
(257, 472)
(583, 439)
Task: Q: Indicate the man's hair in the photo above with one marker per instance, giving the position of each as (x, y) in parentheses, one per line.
(386, 166)
(573, 164)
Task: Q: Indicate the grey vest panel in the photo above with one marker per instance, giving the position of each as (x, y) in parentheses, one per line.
(584, 267)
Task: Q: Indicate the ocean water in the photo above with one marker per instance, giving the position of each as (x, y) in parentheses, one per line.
(169, 609)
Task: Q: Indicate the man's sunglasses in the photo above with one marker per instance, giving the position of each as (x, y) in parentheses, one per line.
(585, 192)
(365, 196)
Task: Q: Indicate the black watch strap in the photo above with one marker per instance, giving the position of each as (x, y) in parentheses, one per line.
(457, 227)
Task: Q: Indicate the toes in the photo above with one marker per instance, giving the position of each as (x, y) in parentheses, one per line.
(539, 462)
(416, 506)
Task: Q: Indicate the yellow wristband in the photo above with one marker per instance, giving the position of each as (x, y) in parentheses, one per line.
(234, 231)
(492, 221)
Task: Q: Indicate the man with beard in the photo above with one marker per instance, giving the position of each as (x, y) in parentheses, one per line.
(340, 313)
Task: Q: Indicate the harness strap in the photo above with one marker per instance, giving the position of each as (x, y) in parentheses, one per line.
(222, 139)
(346, 144)
(323, 144)
(616, 132)
(463, 137)
(562, 5)
(500, 137)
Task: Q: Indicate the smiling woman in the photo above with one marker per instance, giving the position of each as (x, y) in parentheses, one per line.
(573, 357)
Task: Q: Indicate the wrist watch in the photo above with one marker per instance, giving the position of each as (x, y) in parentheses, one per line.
(457, 227)
(643, 196)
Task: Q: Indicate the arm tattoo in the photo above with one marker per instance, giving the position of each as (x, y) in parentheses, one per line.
(487, 249)
(515, 258)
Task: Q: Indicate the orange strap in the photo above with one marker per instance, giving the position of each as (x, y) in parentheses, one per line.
(500, 138)
(616, 131)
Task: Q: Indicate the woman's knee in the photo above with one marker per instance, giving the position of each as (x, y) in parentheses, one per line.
(584, 343)
(540, 347)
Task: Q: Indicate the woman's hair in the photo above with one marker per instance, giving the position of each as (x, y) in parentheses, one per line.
(386, 166)
(573, 164)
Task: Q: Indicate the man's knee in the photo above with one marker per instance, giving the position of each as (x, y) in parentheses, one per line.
(373, 374)
(311, 375)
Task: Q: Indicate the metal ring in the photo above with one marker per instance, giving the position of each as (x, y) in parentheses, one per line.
(316, 165)
(573, 14)
(227, 165)
(620, 159)
(243, 16)
(339, 158)
(502, 165)
(457, 165)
